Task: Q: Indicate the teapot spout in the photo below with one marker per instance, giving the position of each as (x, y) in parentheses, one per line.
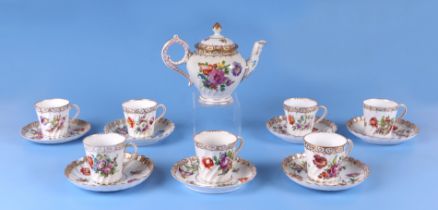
(252, 62)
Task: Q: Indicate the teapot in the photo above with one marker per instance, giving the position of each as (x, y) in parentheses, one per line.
(215, 67)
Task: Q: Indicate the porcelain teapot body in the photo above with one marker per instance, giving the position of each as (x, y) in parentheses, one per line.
(215, 67)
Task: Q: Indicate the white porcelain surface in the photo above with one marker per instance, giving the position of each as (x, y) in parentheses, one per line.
(163, 128)
(217, 152)
(325, 153)
(140, 116)
(137, 169)
(355, 172)
(105, 154)
(404, 131)
(380, 115)
(278, 126)
(301, 115)
(77, 128)
(186, 172)
(53, 116)
(215, 73)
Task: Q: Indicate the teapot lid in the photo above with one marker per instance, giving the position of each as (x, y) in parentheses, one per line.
(216, 44)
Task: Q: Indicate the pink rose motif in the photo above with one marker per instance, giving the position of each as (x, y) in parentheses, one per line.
(106, 170)
(333, 171)
(216, 77)
(102, 164)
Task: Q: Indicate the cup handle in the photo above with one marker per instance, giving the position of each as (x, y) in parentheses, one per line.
(78, 110)
(324, 108)
(241, 143)
(163, 108)
(349, 147)
(405, 110)
(133, 145)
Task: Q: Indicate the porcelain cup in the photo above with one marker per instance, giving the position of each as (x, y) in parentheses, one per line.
(104, 155)
(53, 116)
(300, 114)
(324, 155)
(217, 152)
(380, 116)
(140, 116)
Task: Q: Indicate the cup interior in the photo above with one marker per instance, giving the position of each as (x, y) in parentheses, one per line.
(325, 139)
(215, 138)
(104, 140)
(50, 103)
(139, 104)
(377, 102)
(300, 102)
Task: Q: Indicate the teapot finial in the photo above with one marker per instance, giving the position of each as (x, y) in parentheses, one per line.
(217, 28)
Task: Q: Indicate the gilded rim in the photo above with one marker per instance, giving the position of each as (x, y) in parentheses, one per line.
(215, 50)
(51, 109)
(226, 49)
(359, 120)
(175, 169)
(104, 148)
(141, 158)
(379, 108)
(139, 110)
(300, 109)
(68, 137)
(285, 166)
(165, 123)
(324, 149)
(215, 147)
(280, 119)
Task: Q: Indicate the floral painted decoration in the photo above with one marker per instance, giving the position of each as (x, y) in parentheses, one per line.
(243, 179)
(216, 76)
(207, 162)
(55, 124)
(189, 168)
(37, 134)
(237, 69)
(141, 125)
(351, 173)
(319, 161)
(382, 126)
(302, 123)
(332, 170)
(353, 177)
(102, 164)
(132, 180)
(85, 171)
(224, 161)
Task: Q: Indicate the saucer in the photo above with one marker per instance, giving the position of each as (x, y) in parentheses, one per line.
(355, 172)
(278, 127)
(137, 169)
(186, 171)
(77, 128)
(163, 128)
(404, 131)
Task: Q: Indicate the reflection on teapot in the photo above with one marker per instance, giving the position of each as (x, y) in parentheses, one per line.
(215, 67)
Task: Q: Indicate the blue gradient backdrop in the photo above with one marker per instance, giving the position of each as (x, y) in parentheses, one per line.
(100, 53)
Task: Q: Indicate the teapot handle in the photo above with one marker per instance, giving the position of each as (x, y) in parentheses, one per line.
(174, 64)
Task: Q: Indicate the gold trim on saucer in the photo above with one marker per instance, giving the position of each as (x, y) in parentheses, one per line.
(140, 158)
(288, 161)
